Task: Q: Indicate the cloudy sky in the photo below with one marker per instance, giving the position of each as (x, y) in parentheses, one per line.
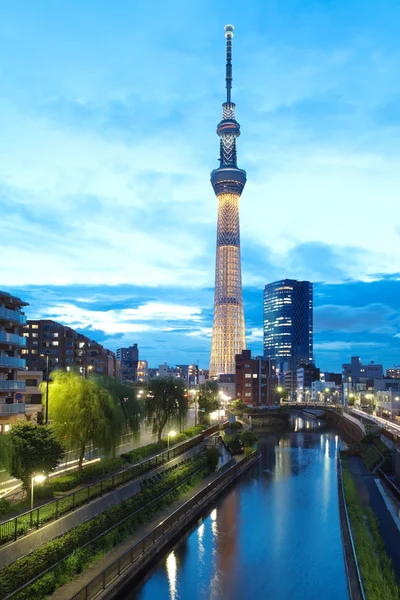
(108, 113)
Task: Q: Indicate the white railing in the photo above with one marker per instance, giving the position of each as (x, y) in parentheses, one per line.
(12, 409)
(6, 384)
(12, 361)
(12, 338)
(12, 315)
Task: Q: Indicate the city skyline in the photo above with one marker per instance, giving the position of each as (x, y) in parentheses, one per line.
(101, 151)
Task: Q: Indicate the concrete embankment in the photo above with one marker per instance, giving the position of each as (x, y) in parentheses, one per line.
(131, 559)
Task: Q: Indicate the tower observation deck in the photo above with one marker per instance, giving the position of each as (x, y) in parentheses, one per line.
(228, 181)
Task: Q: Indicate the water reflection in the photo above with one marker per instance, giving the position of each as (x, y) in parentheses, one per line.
(274, 535)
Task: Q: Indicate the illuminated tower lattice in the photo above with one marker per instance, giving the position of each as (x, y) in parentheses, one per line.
(228, 336)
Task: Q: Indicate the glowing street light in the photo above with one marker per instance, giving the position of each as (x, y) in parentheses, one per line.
(170, 434)
(35, 479)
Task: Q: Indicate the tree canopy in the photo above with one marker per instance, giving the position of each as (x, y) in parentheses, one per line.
(83, 413)
(208, 398)
(165, 399)
(32, 449)
(127, 406)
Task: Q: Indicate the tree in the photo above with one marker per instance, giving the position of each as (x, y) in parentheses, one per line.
(126, 404)
(83, 413)
(212, 457)
(208, 398)
(166, 399)
(33, 448)
(248, 438)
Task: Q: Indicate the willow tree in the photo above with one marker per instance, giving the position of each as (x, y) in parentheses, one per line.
(83, 413)
(166, 399)
(126, 405)
(208, 400)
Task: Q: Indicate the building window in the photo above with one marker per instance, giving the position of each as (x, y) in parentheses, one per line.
(255, 375)
(55, 334)
(247, 385)
(247, 375)
(34, 335)
(7, 427)
(33, 351)
(54, 343)
(248, 394)
(31, 382)
(35, 326)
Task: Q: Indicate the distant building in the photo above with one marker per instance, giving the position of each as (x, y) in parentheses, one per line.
(387, 403)
(325, 391)
(129, 359)
(227, 387)
(166, 371)
(254, 384)
(358, 372)
(12, 344)
(288, 321)
(142, 371)
(305, 375)
(190, 373)
(394, 372)
(66, 348)
(328, 376)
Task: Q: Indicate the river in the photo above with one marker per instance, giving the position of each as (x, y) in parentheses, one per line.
(274, 535)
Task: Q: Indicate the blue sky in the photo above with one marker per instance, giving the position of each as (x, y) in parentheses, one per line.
(108, 113)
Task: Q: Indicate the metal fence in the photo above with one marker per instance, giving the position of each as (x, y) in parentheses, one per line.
(113, 571)
(360, 586)
(31, 520)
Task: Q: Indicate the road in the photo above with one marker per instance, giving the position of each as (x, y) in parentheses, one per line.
(389, 425)
(10, 485)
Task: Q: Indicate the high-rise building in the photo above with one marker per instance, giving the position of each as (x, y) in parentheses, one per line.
(12, 343)
(288, 321)
(129, 359)
(228, 181)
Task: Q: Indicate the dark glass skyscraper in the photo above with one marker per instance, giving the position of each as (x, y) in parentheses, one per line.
(288, 320)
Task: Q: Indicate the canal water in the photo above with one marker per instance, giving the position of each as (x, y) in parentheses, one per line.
(274, 535)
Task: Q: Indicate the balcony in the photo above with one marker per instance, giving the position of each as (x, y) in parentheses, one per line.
(14, 362)
(11, 385)
(12, 315)
(12, 409)
(12, 338)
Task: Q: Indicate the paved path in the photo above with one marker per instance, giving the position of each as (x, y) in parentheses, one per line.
(371, 496)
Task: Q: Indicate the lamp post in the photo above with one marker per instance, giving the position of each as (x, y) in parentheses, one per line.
(47, 355)
(170, 434)
(39, 479)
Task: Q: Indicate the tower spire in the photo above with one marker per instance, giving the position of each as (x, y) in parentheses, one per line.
(228, 77)
(228, 181)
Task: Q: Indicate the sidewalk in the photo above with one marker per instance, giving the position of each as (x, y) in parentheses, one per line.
(68, 590)
(370, 496)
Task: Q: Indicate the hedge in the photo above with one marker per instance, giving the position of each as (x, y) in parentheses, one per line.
(68, 482)
(26, 568)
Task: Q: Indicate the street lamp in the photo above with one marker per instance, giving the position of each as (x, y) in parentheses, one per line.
(47, 355)
(38, 479)
(170, 434)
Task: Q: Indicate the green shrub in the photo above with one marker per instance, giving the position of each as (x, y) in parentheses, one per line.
(376, 569)
(212, 458)
(88, 474)
(5, 507)
(177, 439)
(193, 431)
(235, 426)
(143, 452)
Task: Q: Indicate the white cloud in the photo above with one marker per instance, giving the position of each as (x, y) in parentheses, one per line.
(338, 346)
(126, 320)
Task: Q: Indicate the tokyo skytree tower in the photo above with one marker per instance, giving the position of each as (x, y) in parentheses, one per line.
(228, 336)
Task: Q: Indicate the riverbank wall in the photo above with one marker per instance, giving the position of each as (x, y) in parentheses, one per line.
(135, 561)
